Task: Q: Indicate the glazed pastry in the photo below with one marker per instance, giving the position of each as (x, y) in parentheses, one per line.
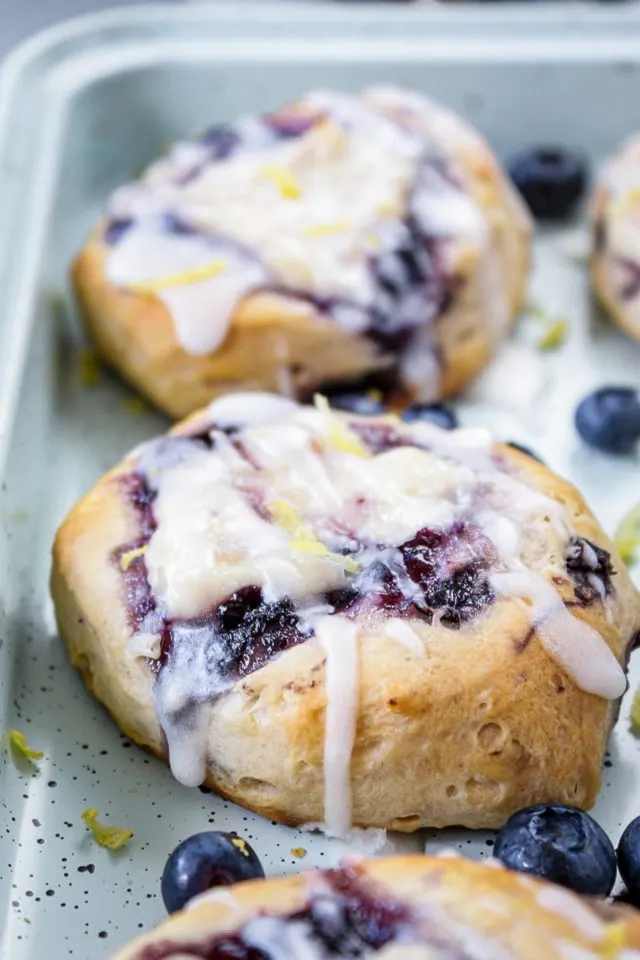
(344, 237)
(615, 248)
(349, 620)
(414, 908)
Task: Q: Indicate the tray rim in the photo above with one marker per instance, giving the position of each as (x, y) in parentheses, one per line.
(566, 31)
(573, 31)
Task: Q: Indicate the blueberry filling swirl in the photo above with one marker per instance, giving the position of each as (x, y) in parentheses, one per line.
(255, 537)
(380, 266)
(591, 570)
(345, 915)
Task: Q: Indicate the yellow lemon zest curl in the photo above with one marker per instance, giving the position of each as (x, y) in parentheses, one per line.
(304, 539)
(18, 742)
(615, 940)
(240, 845)
(634, 716)
(554, 336)
(627, 536)
(127, 558)
(328, 229)
(339, 436)
(112, 838)
(554, 329)
(89, 368)
(182, 279)
(283, 179)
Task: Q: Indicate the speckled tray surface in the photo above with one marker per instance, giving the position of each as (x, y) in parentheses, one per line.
(81, 108)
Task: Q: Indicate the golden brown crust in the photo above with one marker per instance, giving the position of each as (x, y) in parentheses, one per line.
(510, 915)
(277, 343)
(457, 746)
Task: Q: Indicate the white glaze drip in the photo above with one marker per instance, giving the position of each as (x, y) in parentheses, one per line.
(250, 409)
(571, 908)
(338, 638)
(282, 939)
(201, 310)
(576, 646)
(404, 634)
(211, 541)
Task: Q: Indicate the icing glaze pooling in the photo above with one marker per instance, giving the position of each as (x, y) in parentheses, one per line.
(336, 200)
(281, 523)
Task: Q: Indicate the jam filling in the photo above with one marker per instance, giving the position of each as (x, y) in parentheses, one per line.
(412, 285)
(590, 568)
(436, 575)
(631, 285)
(347, 918)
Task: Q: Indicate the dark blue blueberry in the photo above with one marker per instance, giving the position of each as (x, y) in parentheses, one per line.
(204, 861)
(629, 859)
(521, 447)
(609, 419)
(437, 413)
(360, 403)
(551, 180)
(561, 844)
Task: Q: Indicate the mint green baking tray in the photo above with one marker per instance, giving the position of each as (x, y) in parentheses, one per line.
(82, 107)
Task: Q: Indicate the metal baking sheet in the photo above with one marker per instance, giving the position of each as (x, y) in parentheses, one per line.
(81, 108)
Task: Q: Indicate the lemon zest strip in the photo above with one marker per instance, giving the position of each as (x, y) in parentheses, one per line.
(89, 368)
(615, 940)
(304, 539)
(127, 558)
(626, 539)
(326, 229)
(19, 743)
(112, 838)
(182, 279)
(634, 715)
(283, 179)
(554, 335)
(339, 436)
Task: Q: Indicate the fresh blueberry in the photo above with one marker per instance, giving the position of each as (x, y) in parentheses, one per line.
(521, 447)
(437, 413)
(561, 844)
(204, 861)
(609, 419)
(629, 859)
(550, 179)
(361, 403)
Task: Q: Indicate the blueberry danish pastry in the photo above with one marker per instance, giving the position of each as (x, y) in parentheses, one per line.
(615, 246)
(400, 908)
(349, 620)
(343, 237)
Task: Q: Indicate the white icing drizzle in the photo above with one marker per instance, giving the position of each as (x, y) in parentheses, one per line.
(144, 645)
(211, 540)
(250, 409)
(576, 646)
(403, 633)
(570, 951)
(338, 638)
(304, 213)
(571, 908)
(221, 895)
(201, 310)
(282, 939)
